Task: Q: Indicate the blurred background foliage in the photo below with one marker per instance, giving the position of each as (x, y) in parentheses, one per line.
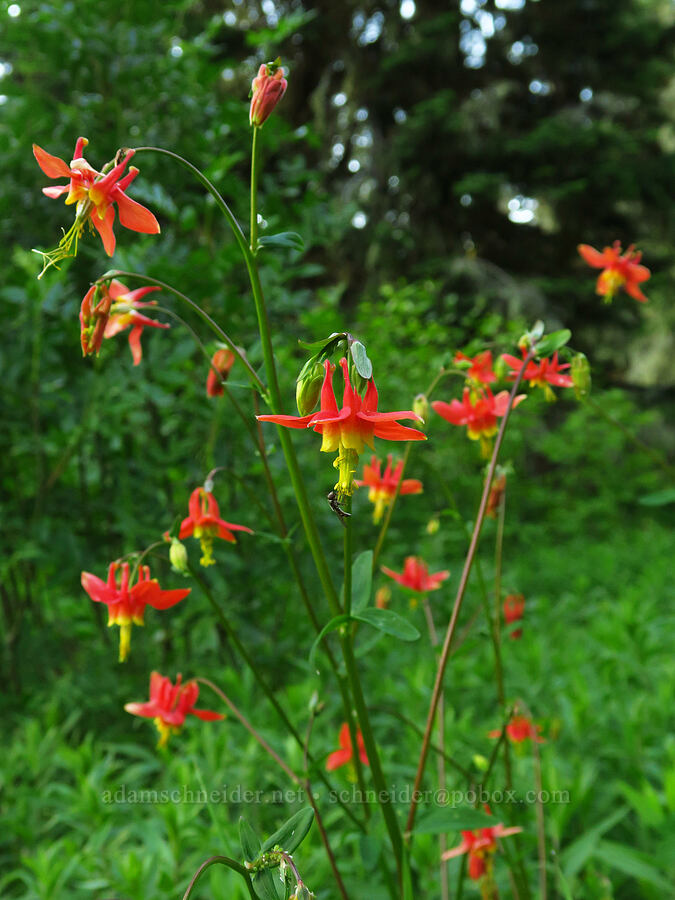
(441, 161)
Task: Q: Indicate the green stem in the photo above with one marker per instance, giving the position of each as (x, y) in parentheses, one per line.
(254, 192)
(445, 653)
(223, 861)
(210, 187)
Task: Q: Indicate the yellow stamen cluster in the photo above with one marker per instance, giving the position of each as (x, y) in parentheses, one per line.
(346, 464)
(205, 536)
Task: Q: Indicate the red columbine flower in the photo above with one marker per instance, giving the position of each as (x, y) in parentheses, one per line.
(416, 577)
(126, 604)
(382, 487)
(514, 610)
(95, 313)
(540, 374)
(618, 271)
(479, 411)
(169, 704)
(205, 524)
(480, 370)
(480, 844)
(349, 429)
(219, 370)
(344, 755)
(267, 89)
(124, 314)
(95, 195)
(520, 729)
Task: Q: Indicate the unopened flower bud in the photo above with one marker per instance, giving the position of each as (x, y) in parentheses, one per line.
(302, 892)
(178, 557)
(421, 407)
(480, 762)
(308, 388)
(267, 89)
(500, 368)
(382, 597)
(581, 376)
(219, 370)
(433, 525)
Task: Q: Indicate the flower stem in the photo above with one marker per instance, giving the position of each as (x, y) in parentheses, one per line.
(223, 861)
(254, 192)
(445, 653)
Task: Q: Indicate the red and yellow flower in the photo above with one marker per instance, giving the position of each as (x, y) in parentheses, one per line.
(267, 89)
(95, 194)
(169, 705)
(540, 374)
(514, 610)
(416, 576)
(496, 495)
(344, 756)
(124, 314)
(382, 485)
(219, 370)
(480, 367)
(205, 524)
(520, 729)
(480, 844)
(349, 429)
(479, 411)
(126, 603)
(618, 270)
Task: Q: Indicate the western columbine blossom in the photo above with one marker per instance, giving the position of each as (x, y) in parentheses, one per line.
(124, 314)
(540, 374)
(497, 489)
(345, 754)
(480, 368)
(100, 302)
(95, 195)
(349, 429)
(382, 486)
(126, 604)
(416, 577)
(514, 610)
(219, 370)
(479, 411)
(267, 89)
(618, 271)
(169, 704)
(480, 845)
(520, 729)
(204, 523)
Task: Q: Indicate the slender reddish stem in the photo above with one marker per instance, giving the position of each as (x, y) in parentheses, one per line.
(447, 643)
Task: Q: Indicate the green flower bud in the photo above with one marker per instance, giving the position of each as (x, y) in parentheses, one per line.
(308, 388)
(178, 557)
(581, 376)
(421, 408)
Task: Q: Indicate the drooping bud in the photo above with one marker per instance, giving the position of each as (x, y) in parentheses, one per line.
(581, 376)
(308, 387)
(267, 89)
(302, 892)
(219, 370)
(421, 408)
(497, 489)
(178, 557)
(433, 525)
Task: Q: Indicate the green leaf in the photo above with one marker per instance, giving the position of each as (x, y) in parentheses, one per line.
(454, 818)
(330, 626)
(284, 239)
(575, 856)
(267, 885)
(658, 498)
(388, 621)
(553, 341)
(630, 862)
(362, 580)
(293, 832)
(249, 840)
(363, 365)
